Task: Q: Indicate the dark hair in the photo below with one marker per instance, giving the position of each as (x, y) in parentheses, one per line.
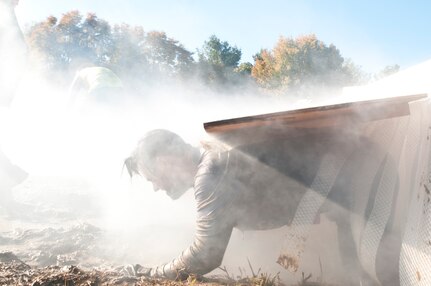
(131, 166)
(154, 143)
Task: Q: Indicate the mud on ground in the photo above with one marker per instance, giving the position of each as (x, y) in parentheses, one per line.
(47, 237)
(19, 273)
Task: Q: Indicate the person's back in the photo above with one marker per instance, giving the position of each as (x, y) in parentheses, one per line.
(259, 185)
(253, 187)
(97, 85)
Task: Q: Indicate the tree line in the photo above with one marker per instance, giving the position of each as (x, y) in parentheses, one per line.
(141, 59)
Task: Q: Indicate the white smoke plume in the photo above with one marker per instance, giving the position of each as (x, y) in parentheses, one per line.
(75, 159)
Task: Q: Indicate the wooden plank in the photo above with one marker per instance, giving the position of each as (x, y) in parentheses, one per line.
(314, 119)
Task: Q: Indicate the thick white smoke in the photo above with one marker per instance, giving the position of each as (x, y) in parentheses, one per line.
(75, 157)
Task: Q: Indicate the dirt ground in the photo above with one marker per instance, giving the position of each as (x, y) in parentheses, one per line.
(19, 273)
(54, 232)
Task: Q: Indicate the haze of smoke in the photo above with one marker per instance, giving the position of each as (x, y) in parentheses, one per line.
(49, 139)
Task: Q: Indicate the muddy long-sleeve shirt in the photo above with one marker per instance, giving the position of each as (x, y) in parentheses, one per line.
(252, 188)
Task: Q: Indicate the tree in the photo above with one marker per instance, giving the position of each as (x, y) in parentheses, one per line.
(65, 45)
(42, 39)
(165, 55)
(218, 64)
(218, 53)
(127, 58)
(97, 38)
(387, 71)
(244, 68)
(301, 63)
(353, 74)
(264, 71)
(148, 57)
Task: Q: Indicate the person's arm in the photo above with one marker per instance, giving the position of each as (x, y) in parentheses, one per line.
(213, 228)
(204, 255)
(75, 88)
(13, 52)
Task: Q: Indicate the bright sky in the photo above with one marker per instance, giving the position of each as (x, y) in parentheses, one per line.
(372, 33)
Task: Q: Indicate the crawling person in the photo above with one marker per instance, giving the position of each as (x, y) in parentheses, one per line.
(253, 187)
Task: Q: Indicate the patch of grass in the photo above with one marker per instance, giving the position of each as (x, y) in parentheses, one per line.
(256, 278)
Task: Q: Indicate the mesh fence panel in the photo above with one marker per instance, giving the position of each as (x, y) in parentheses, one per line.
(401, 201)
(415, 259)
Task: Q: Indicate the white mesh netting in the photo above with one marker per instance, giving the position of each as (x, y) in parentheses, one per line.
(401, 200)
(415, 260)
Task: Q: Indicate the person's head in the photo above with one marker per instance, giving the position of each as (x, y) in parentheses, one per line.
(164, 159)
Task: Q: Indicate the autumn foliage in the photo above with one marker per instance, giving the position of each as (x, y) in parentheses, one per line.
(140, 58)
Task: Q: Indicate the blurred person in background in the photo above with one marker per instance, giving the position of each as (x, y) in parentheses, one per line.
(97, 86)
(13, 57)
(13, 52)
